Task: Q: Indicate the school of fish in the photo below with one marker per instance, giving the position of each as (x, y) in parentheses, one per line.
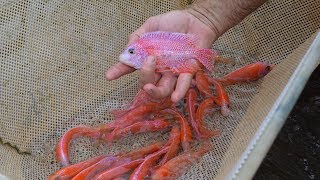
(160, 160)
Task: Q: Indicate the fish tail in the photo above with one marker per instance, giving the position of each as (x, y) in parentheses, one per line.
(222, 81)
(206, 58)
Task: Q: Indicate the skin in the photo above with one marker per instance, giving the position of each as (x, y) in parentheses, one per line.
(208, 19)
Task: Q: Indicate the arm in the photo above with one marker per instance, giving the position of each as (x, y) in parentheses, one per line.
(208, 19)
(221, 15)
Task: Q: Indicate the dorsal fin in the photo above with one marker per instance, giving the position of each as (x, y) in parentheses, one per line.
(189, 39)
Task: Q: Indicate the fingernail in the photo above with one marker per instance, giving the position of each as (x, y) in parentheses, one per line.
(150, 91)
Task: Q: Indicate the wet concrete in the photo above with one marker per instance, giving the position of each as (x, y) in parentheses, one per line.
(295, 154)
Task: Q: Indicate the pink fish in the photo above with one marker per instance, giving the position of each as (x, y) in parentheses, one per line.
(174, 52)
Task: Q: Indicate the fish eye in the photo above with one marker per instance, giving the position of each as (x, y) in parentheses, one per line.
(131, 50)
(268, 68)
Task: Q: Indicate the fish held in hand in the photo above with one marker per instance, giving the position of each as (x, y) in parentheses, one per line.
(176, 52)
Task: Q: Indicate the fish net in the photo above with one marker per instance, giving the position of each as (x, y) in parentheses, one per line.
(54, 54)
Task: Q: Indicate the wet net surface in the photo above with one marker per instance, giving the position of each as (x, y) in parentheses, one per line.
(53, 57)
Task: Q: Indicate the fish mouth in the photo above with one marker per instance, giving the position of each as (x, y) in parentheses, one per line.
(272, 66)
(123, 59)
(126, 63)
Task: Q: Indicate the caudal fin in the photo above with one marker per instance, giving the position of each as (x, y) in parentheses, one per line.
(206, 58)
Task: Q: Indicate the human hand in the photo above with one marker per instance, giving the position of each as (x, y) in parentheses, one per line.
(164, 84)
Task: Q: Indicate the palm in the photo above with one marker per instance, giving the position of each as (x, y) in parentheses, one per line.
(174, 21)
(183, 22)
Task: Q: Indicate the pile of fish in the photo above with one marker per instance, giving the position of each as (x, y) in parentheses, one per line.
(160, 160)
(177, 53)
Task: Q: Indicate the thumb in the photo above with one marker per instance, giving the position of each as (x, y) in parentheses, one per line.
(147, 71)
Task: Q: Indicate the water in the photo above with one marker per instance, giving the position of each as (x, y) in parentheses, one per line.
(295, 154)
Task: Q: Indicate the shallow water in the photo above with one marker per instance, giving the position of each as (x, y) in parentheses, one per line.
(295, 154)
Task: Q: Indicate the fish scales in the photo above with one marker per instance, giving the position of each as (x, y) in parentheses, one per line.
(173, 51)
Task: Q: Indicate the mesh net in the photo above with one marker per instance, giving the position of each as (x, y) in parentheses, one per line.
(53, 57)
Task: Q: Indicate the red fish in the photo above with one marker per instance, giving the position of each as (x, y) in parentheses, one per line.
(96, 168)
(141, 98)
(185, 134)
(62, 148)
(203, 84)
(191, 98)
(173, 144)
(176, 166)
(112, 161)
(176, 52)
(250, 72)
(118, 170)
(139, 127)
(137, 114)
(222, 99)
(142, 170)
(201, 111)
(70, 171)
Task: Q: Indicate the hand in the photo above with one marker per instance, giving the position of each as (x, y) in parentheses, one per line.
(162, 85)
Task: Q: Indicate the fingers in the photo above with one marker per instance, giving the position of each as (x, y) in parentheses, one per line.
(118, 70)
(164, 87)
(147, 72)
(149, 25)
(183, 84)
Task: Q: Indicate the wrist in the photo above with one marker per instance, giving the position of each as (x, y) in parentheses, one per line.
(220, 15)
(201, 13)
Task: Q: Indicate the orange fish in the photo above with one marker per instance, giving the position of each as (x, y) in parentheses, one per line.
(62, 148)
(141, 153)
(137, 114)
(142, 170)
(191, 98)
(185, 133)
(138, 127)
(203, 84)
(70, 171)
(173, 143)
(118, 170)
(176, 166)
(96, 168)
(142, 97)
(222, 98)
(249, 72)
(201, 111)
(111, 162)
